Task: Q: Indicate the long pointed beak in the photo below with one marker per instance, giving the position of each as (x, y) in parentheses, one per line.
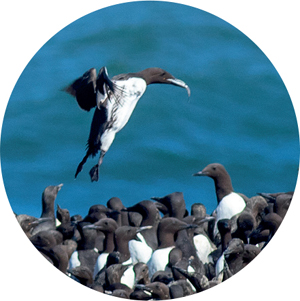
(180, 83)
(206, 219)
(59, 186)
(89, 226)
(199, 173)
(144, 228)
(191, 226)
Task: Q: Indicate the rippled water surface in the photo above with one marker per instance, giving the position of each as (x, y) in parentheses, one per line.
(239, 112)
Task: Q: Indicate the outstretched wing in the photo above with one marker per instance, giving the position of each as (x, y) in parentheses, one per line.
(84, 89)
(108, 90)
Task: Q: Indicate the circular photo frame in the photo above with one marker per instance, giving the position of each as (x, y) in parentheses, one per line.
(173, 92)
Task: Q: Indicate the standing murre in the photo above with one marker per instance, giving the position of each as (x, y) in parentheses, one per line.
(150, 217)
(166, 231)
(115, 100)
(230, 203)
(47, 219)
(121, 239)
(108, 226)
(204, 246)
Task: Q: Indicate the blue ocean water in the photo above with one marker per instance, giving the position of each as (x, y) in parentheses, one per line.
(239, 113)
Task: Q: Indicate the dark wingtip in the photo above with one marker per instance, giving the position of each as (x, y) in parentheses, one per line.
(84, 90)
(103, 79)
(70, 90)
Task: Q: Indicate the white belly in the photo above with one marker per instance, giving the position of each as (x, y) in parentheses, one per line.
(120, 108)
(219, 268)
(139, 250)
(229, 206)
(100, 263)
(128, 277)
(159, 260)
(203, 247)
(74, 260)
(132, 90)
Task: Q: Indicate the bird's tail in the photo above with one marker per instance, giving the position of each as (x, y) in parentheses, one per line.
(94, 142)
(80, 165)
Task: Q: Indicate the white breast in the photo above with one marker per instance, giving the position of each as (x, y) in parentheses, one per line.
(203, 247)
(121, 109)
(229, 206)
(159, 260)
(219, 268)
(128, 277)
(74, 261)
(100, 263)
(139, 250)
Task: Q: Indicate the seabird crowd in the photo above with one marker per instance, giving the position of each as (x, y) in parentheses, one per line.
(157, 248)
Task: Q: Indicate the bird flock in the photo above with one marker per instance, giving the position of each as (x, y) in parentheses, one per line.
(157, 248)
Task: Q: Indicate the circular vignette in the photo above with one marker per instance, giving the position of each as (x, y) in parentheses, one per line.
(235, 278)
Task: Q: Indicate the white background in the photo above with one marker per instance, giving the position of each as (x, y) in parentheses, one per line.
(27, 25)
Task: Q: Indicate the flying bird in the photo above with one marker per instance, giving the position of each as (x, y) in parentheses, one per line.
(115, 100)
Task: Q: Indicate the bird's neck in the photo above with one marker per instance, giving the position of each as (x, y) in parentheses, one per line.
(109, 242)
(223, 187)
(122, 247)
(47, 210)
(225, 239)
(165, 240)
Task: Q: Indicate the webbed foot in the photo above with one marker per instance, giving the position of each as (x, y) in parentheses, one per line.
(94, 173)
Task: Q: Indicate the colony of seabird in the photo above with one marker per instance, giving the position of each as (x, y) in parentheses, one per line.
(156, 248)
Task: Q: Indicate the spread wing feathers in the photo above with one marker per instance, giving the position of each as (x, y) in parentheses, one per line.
(84, 89)
(103, 81)
(91, 90)
(109, 90)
